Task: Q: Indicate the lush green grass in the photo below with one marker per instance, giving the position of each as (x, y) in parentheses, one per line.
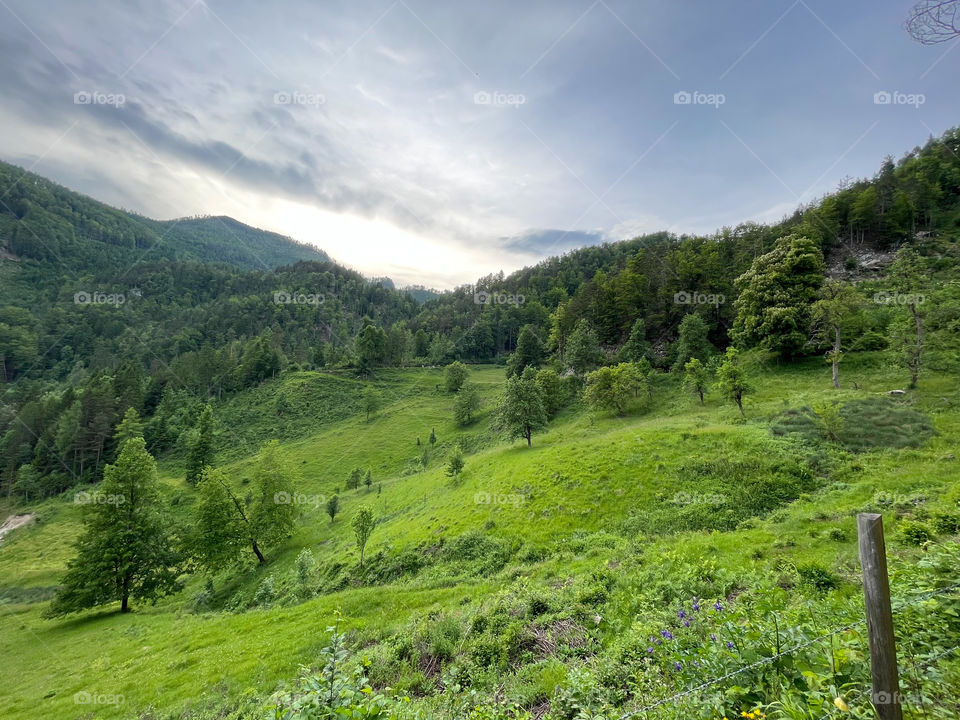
(666, 489)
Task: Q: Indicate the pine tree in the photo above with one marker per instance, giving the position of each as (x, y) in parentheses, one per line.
(125, 550)
(201, 453)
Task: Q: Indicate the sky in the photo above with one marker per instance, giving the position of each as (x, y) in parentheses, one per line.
(436, 142)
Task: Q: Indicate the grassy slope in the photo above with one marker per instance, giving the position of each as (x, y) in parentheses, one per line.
(584, 474)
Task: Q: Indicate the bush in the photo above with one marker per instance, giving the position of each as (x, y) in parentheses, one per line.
(915, 532)
(818, 577)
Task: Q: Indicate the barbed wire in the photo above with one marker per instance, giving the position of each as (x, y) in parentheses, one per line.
(800, 646)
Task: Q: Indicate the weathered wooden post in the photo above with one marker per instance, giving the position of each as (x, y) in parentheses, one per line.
(876, 592)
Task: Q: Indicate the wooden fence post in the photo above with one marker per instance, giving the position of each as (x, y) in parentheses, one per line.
(876, 592)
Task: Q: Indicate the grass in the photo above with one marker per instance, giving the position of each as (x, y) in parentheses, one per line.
(594, 492)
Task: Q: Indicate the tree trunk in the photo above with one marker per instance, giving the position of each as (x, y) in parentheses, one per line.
(915, 362)
(700, 393)
(740, 406)
(836, 358)
(256, 551)
(125, 595)
(527, 434)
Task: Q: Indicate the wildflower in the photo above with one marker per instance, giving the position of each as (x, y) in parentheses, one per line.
(682, 614)
(650, 651)
(730, 644)
(696, 605)
(841, 705)
(667, 634)
(717, 606)
(677, 666)
(713, 637)
(686, 623)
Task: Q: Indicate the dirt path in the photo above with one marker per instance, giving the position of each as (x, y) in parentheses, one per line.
(13, 522)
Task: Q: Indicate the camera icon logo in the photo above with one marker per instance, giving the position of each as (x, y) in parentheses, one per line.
(82, 98)
(482, 298)
(681, 298)
(882, 98)
(281, 98)
(481, 98)
(682, 98)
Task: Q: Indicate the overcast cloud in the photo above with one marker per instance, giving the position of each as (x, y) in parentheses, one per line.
(437, 142)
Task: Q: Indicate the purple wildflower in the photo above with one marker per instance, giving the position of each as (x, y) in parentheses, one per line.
(713, 637)
(717, 606)
(686, 623)
(667, 634)
(730, 644)
(681, 614)
(677, 666)
(696, 605)
(650, 651)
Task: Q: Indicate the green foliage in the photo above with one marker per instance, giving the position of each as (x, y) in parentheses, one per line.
(551, 391)
(692, 341)
(583, 351)
(363, 523)
(224, 525)
(455, 463)
(520, 411)
(529, 353)
(125, 550)
(371, 401)
(636, 348)
(696, 378)
(201, 450)
(732, 380)
(333, 507)
(776, 296)
(466, 404)
(454, 376)
(610, 388)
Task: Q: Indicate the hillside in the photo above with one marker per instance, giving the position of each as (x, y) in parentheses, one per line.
(43, 221)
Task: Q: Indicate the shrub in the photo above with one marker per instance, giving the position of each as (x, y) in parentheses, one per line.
(915, 532)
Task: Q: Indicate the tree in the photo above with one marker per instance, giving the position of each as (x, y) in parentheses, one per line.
(520, 410)
(126, 549)
(333, 507)
(551, 390)
(465, 404)
(692, 341)
(130, 427)
(433, 437)
(368, 479)
(832, 314)
(370, 346)
(224, 525)
(695, 377)
(776, 296)
(732, 380)
(454, 376)
(201, 451)
(363, 524)
(934, 21)
(455, 463)
(529, 353)
(353, 482)
(908, 334)
(610, 388)
(371, 401)
(636, 348)
(583, 350)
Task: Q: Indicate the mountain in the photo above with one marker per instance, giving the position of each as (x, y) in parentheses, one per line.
(44, 221)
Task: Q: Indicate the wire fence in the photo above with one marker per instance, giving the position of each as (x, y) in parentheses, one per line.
(858, 695)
